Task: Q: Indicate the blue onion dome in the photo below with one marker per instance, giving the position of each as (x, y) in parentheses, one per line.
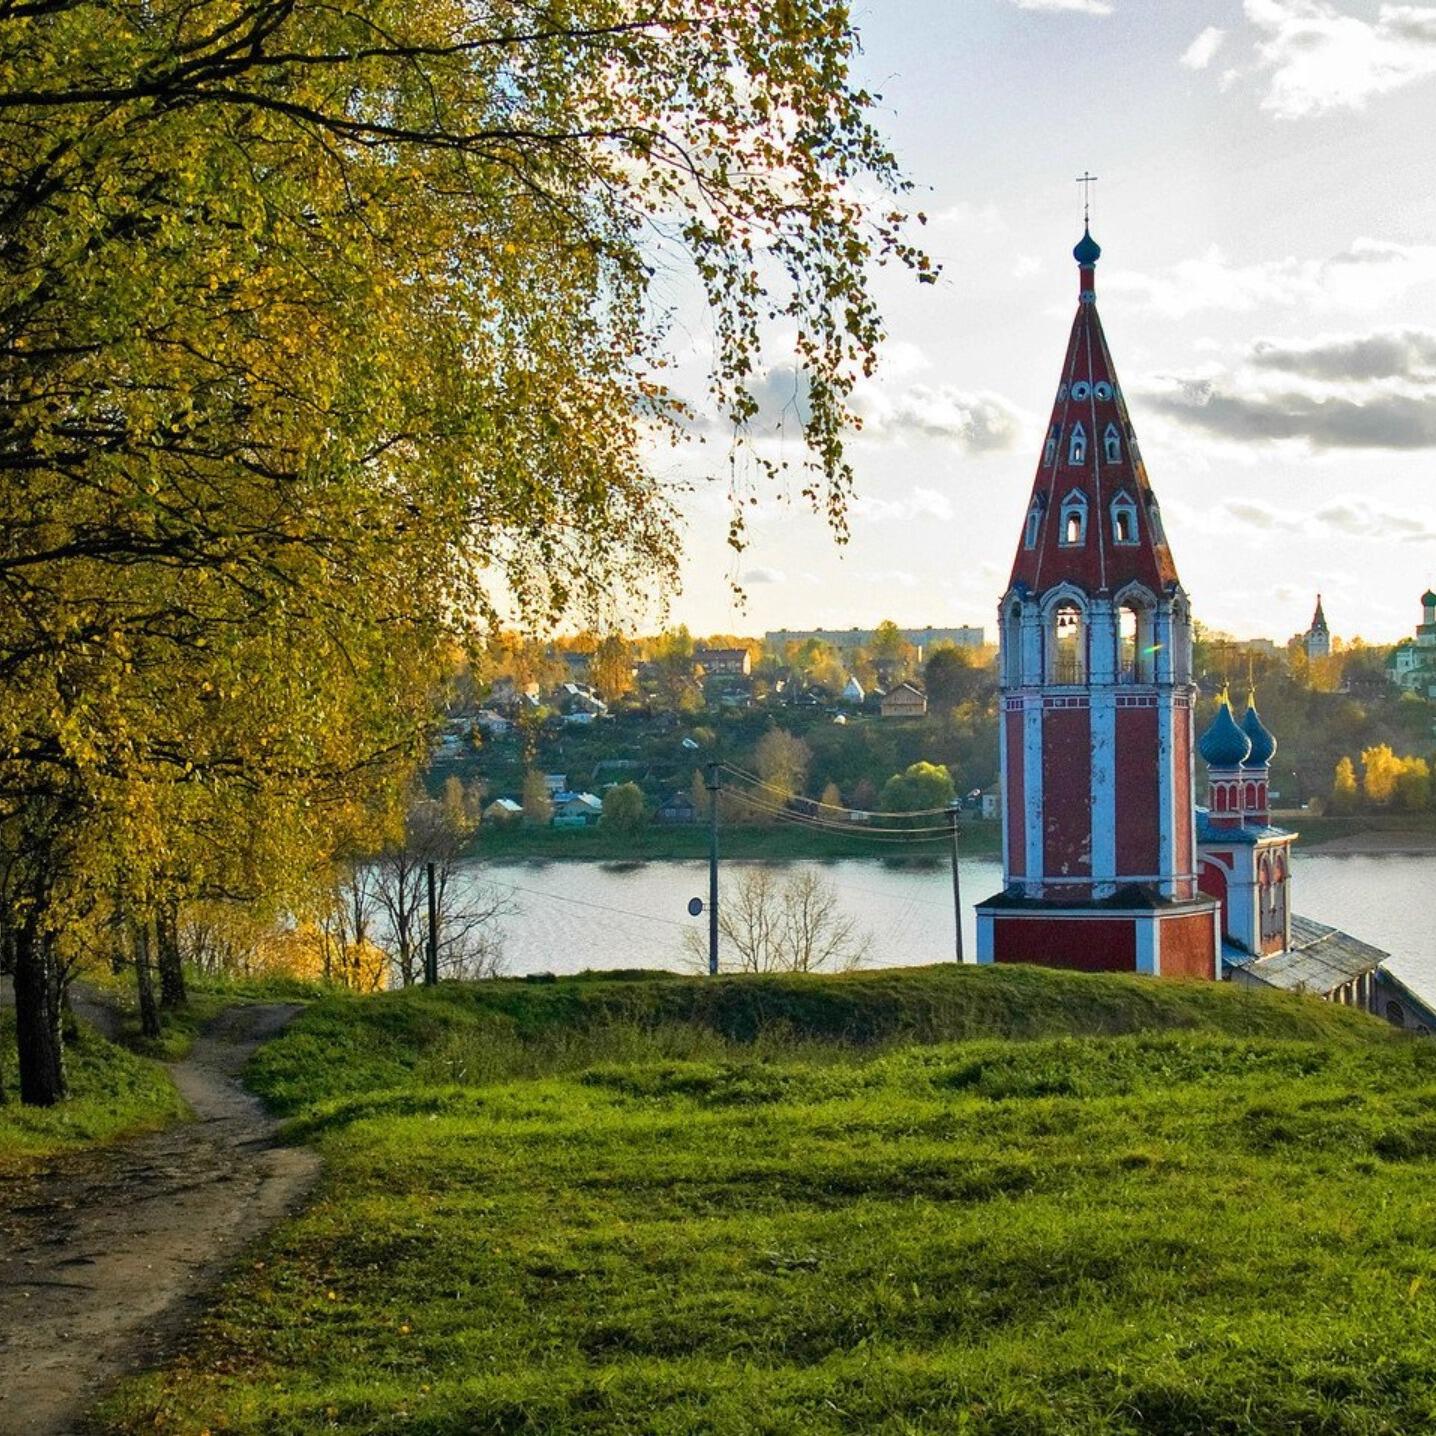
(1224, 745)
(1088, 251)
(1428, 599)
(1263, 744)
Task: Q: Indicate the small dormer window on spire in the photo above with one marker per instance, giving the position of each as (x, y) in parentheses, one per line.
(1049, 453)
(1112, 445)
(1074, 520)
(1077, 449)
(1124, 519)
(1033, 528)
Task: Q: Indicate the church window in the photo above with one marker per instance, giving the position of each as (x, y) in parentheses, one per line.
(1061, 393)
(1077, 449)
(1050, 452)
(1134, 644)
(1067, 651)
(1033, 528)
(1081, 389)
(1112, 445)
(1102, 389)
(1154, 517)
(1124, 519)
(1074, 520)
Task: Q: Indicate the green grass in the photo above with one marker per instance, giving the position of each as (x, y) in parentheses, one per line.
(115, 1093)
(534, 1027)
(780, 843)
(772, 1206)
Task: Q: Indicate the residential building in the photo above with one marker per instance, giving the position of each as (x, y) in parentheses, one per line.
(576, 810)
(677, 808)
(724, 662)
(904, 700)
(849, 640)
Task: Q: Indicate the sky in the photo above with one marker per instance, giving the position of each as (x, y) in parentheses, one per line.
(1267, 214)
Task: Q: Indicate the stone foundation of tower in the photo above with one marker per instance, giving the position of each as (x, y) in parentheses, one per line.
(1165, 939)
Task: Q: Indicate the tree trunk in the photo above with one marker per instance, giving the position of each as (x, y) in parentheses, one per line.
(37, 1016)
(149, 1011)
(172, 989)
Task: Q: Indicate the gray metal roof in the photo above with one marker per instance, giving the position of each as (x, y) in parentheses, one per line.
(1319, 960)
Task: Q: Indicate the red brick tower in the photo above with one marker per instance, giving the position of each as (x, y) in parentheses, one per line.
(1099, 840)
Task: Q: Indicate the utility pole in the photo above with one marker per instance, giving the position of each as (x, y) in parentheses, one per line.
(431, 950)
(711, 783)
(952, 811)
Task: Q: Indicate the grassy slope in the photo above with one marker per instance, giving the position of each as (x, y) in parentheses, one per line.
(1221, 1228)
(114, 1091)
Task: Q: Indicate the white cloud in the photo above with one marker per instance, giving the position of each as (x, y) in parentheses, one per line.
(1371, 272)
(977, 422)
(1025, 266)
(1201, 52)
(1075, 7)
(921, 503)
(970, 218)
(1408, 354)
(1318, 57)
(1359, 518)
(763, 575)
(1229, 408)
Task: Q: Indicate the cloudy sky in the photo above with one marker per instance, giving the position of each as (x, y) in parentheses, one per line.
(1266, 205)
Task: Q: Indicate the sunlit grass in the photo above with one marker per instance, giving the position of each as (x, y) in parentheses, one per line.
(1182, 1230)
(113, 1093)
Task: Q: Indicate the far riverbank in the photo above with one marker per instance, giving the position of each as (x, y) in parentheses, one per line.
(1372, 833)
(500, 842)
(1365, 833)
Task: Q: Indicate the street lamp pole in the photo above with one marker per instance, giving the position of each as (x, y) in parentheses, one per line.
(712, 785)
(952, 811)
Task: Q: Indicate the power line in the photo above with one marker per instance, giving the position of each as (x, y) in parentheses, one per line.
(585, 902)
(818, 803)
(896, 837)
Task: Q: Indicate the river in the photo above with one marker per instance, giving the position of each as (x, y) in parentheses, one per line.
(569, 916)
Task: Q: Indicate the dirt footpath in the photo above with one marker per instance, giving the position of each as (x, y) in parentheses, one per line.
(105, 1255)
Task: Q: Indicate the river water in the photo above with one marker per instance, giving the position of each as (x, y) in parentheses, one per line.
(569, 916)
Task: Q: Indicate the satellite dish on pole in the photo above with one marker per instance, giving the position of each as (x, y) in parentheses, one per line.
(695, 906)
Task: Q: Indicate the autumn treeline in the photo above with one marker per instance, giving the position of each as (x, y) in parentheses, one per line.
(328, 336)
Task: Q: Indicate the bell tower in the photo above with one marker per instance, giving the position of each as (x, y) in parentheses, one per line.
(1099, 836)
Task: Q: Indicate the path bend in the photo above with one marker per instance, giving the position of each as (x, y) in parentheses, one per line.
(107, 1254)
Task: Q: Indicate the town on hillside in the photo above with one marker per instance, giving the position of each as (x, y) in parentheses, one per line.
(543, 730)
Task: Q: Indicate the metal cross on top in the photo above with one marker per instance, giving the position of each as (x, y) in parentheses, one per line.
(1086, 181)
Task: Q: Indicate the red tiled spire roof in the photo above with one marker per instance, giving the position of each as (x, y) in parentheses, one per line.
(1121, 537)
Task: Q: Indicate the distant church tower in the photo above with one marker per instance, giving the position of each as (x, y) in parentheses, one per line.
(1099, 834)
(1317, 639)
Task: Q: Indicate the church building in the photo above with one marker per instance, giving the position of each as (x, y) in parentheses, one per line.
(1108, 862)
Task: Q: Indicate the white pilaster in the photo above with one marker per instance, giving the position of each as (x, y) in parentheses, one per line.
(1104, 792)
(1148, 960)
(1031, 644)
(984, 939)
(1032, 816)
(1166, 798)
(1102, 641)
(1002, 788)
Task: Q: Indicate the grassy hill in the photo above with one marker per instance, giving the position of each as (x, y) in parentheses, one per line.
(915, 1202)
(114, 1093)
